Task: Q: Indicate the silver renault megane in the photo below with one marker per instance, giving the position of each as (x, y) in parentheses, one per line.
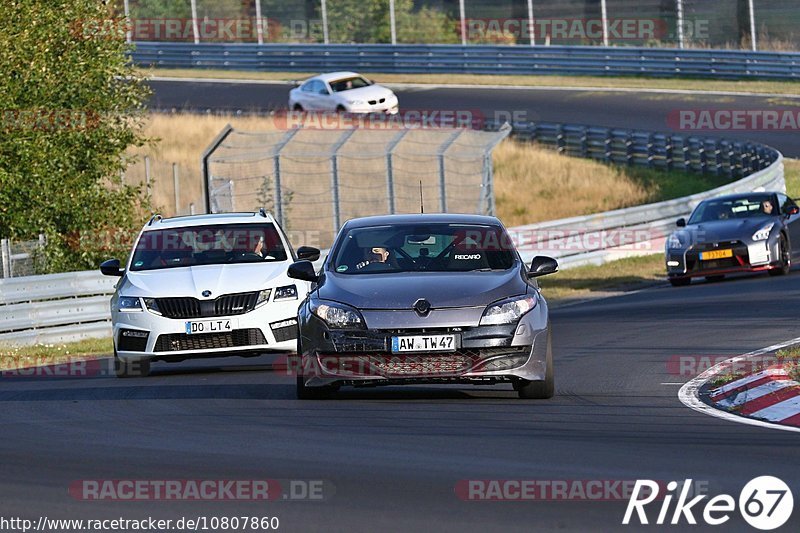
(423, 299)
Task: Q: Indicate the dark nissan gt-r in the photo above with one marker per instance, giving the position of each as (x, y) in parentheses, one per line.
(424, 299)
(749, 232)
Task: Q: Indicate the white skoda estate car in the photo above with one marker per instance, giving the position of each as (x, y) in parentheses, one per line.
(205, 286)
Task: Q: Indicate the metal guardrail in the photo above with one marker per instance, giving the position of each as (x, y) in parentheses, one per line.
(55, 308)
(71, 306)
(476, 59)
(580, 240)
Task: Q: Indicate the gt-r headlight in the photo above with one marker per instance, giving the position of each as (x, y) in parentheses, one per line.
(289, 292)
(129, 304)
(337, 315)
(508, 311)
(674, 242)
(263, 297)
(763, 233)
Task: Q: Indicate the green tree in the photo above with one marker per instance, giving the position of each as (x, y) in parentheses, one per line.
(72, 105)
(368, 21)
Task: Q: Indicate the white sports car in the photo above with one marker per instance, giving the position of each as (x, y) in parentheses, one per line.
(345, 92)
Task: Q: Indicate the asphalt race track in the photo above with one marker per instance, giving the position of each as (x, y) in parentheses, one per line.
(390, 459)
(645, 111)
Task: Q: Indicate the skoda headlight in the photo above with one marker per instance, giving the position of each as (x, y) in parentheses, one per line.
(128, 304)
(763, 233)
(508, 311)
(674, 242)
(337, 315)
(289, 292)
(263, 297)
(152, 305)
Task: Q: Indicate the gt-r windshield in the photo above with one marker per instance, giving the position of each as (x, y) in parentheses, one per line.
(757, 205)
(208, 245)
(424, 248)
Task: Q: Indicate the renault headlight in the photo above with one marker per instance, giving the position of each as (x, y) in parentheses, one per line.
(763, 233)
(337, 315)
(508, 311)
(129, 304)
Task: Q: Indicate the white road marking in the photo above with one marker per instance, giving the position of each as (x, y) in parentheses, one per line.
(689, 393)
(496, 87)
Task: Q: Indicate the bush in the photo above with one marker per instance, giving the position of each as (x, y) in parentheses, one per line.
(72, 105)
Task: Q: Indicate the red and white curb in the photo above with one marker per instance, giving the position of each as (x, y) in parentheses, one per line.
(766, 399)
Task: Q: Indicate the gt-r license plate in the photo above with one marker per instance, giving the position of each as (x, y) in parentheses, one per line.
(210, 326)
(424, 343)
(715, 254)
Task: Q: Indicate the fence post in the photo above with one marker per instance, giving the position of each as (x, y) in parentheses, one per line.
(204, 164)
(177, 182)
(392, 22)
(147, 176)
(679, 9)
(604, 15)
(753, 25)
(531, 27)
(195, 28)
(278, 195)
(324, 9)
(5, 252)
(191, 209)
(128, 22)
(463, 22)
(442, 173)
(259, 23)
(337, 215)
(390, 170)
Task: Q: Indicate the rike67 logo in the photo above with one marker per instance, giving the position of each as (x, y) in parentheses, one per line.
(765, 503)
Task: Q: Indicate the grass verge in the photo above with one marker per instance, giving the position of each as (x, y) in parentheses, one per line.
(615, 276)
(16, 357)
(598, 82)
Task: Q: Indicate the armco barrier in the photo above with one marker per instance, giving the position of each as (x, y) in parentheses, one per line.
(476, 59)
(55, 308)
(71, 306)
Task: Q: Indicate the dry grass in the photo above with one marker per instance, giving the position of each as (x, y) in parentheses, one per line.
(532, 184)
(751, 86)
(18, 357)
(535, 184)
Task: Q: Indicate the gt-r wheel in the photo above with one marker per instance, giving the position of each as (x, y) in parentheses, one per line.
(136, 368)
(786, 259)
(679, 282)
(541, 389)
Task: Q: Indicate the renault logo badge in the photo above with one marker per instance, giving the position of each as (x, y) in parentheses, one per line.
(422, 307)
